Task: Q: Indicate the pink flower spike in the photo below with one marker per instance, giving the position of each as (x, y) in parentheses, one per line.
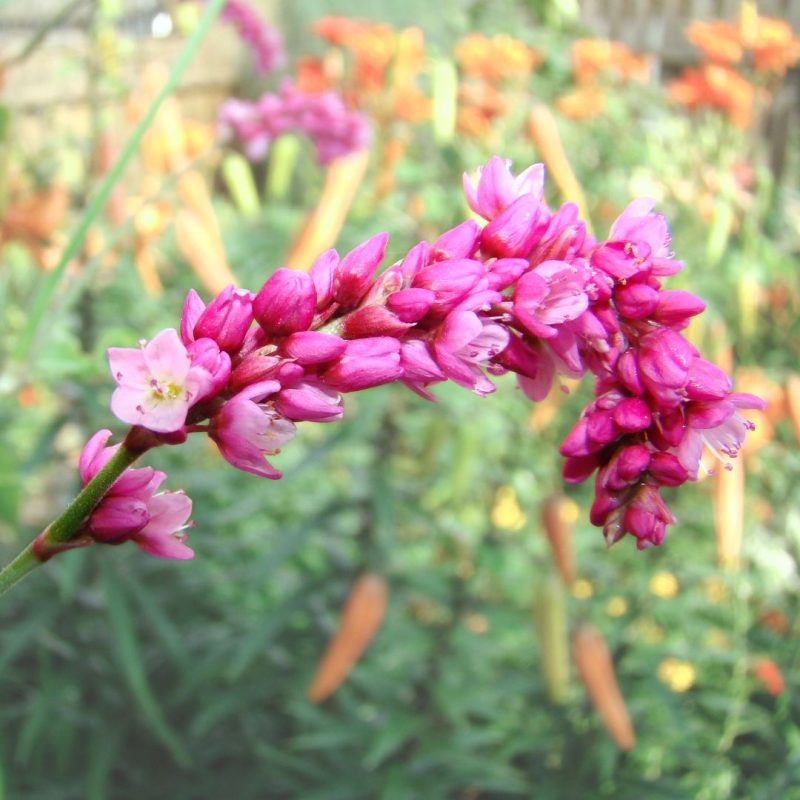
(163, 535)
(157, 383)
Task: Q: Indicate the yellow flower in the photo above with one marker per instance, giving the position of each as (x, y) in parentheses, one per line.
(677, 674)
(714, 589)
(616, 606)
(582, 589)
(506, 512)
(664, 584)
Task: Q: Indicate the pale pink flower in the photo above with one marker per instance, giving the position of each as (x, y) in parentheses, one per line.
(494, 187)
(247, 429)
(157, 384)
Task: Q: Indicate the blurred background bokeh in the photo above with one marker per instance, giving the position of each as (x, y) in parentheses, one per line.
(497, 617)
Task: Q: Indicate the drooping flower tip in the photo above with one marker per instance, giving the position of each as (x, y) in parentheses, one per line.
(132, 509)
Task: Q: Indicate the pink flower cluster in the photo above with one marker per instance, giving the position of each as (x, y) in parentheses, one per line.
(264, 41)
(131, 510)
(323, 117)
(527, 292)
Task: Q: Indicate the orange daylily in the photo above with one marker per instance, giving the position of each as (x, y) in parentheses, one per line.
(495, 58)
(718, 87)
(591, 57)
(775, 47)
(718, 40)
(584, 102)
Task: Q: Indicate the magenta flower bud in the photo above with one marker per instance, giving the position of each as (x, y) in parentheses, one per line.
(365, 363)
(577, 469)
(206, 354)
(313, 347)
(647, 516)
(193, 308)
(668, 470)
(628, 372)
(664, 360)
(503, 272)
(388, 282)
(636, 300)
(676, 306)
(458, 242)
(418, 364)
(563, 237)
(670, 430)
(496, 187)
(411, 305)
(707, 381)
(604, 505)
(286, 303)
(371, 321)
(354, 273)
(450, 281)
(322, 273)
(522, 358)
(226, 319)
(576, 442)
(253, 369)
(600, 428)
(416, 258)
(310, 400)
(631, 462)
(117, 518)
(513, 232)
(633, 414)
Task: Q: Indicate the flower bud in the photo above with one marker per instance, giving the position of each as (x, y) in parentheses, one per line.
(365, 363)
(322, 272)
(286, 303)
(371, 321)
(513, 232)
(411, 305)
(313, 347)
(354, 273)
(193, 308)
(226, 319)
(450, 281)
(458, 242)
(217, 363)
(636, 300)
(310, 400)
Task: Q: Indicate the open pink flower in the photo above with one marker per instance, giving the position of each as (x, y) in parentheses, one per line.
(132, 510)
(157, 383)
(246, 430)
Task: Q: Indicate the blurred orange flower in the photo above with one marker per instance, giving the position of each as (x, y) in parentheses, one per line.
(584, 102)
(716, 86)
(769, 674)
(775, 47)
(495, 58)
(718, 40)
(311, 75)
(592, 57)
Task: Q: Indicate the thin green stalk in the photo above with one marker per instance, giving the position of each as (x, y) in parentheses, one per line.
(64, 532)
(48, 285)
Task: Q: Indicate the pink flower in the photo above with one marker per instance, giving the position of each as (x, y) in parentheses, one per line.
(494, 187)
(246, 429)
(286, 302)
(131, 509)
(550, 295)
(157, 384)
(265, 42)
(462, 343)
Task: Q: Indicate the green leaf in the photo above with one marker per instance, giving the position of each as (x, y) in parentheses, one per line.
(129, 659)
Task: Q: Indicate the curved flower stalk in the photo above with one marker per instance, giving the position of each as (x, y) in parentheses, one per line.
(528, 291)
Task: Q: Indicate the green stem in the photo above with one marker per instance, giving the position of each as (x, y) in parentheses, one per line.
(49, 284)
(65, 533)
